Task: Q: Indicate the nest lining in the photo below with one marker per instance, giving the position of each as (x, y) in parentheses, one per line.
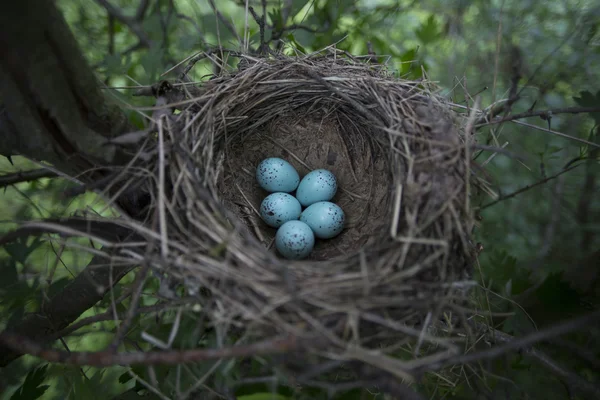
(402, 167)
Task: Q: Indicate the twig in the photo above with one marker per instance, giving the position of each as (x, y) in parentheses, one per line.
(539, 128)
(514, 343)
(578, 351)
(108, 358)
(225, 21)
(133, 308)
(263, 48)
(139, 14)
(526, 188)
(574, 381)
(545, 114)
(132, 23)
(26, 176)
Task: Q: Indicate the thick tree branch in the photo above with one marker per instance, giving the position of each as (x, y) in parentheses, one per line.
(26, 176)
(54, 109)
(88, 288)
(109, 358)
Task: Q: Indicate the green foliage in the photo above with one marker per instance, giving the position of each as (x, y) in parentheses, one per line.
(32, 388)
(461, 46)
(587, 99)
(429, 31)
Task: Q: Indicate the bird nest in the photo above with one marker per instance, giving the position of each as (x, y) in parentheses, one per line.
(393, 277)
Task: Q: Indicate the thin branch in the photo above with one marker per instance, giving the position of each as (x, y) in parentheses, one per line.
(26, 176)
(578, 351)
(574, 381)
(526, 188)
(515, 343)
(139, 14)
(132, 23)
(225, 21)
(133, 307)
(544, 114)
(173, 357)
(109, 316)
(196, 26)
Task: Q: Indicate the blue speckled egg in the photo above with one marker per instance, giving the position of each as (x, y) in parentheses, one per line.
(277, 175)
(278, 208)
(294, 240)
(326, 219)
(317, 185)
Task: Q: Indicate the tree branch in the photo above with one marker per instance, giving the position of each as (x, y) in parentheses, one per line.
(108, 358)
(139, 14)
(53, 107)
(545, 114)
(526, 188)
(225, 21)
(26, 176)
(575, 382)
(132, 23)
(88, 288)
(514, 343)
(110, 316)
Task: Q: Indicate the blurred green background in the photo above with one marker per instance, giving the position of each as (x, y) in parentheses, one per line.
(540, 247)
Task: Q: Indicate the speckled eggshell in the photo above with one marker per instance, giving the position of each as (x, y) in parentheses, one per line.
(278, 208)
(294, 240)
(326, 219)
(317, 185)
(277, 175)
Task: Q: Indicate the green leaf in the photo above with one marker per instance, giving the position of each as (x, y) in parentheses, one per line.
(292, 40)
(557, 294)
(587, 99)
(409, 60)
(125, 377)
(8, 273)
(429, 31)
(503, 271)
(32, 388)
(19, 250)
(297, 5)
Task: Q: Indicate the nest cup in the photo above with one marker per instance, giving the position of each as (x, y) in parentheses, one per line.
(402, 168)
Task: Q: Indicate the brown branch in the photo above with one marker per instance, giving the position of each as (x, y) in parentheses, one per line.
(20, 343)
(26, 176)
(526, 188)
(545, 114)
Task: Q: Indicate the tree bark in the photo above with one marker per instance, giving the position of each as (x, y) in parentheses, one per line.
(52, 110)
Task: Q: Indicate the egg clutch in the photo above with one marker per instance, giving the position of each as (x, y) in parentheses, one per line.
(297, 229)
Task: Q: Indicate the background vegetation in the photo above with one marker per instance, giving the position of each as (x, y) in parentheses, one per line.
(541, 252)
